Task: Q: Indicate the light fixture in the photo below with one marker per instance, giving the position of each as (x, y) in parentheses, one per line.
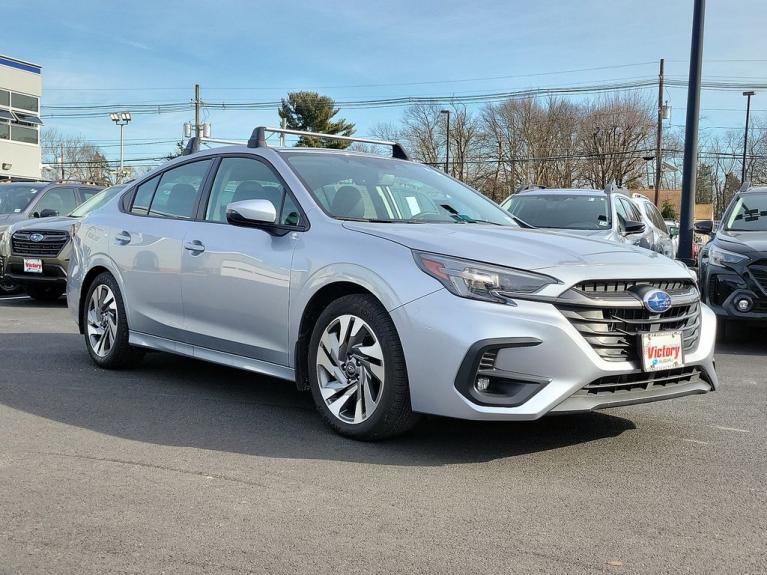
(7, 165)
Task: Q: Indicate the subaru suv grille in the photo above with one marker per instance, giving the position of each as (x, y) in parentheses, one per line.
(48, 244)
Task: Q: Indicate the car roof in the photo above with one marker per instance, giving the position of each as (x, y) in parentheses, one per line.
(561, 191)
(756, 190)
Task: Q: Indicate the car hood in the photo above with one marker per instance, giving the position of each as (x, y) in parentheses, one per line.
(58, 224)
(521, 248)
(743, 242)
(8, 219)
(593, 234)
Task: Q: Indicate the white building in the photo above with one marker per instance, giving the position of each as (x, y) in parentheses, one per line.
(21, 86)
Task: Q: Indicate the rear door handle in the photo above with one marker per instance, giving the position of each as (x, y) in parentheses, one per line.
(122, 238)
(194, 246)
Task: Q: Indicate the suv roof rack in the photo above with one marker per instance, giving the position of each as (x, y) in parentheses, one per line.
(258, 140)
(529, 188)
(612, 188)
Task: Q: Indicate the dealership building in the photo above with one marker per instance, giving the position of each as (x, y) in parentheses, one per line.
(20, 90)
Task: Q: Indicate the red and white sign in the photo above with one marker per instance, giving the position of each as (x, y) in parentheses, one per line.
(662, 350)
(33, 265)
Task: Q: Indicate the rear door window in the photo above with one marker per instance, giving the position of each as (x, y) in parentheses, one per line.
(178, 191)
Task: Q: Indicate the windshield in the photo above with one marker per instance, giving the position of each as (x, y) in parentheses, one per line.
(561, 211)
(14, 198)
(350, 187)
(749, 214)
(96, 201)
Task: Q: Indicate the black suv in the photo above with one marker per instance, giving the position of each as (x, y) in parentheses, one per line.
(733, 265)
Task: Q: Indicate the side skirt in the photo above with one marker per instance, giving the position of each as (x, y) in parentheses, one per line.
(239, 362)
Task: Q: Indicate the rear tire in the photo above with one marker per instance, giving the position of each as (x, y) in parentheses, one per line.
(106, 327)
(357, 372)
(45, 293)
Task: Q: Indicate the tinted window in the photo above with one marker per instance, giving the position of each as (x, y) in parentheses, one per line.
(5, 131)
(178, 190)
(5, 98)
(364, 187)
(749, 214)
(24, 102)
(14, 198)
(562, 211)
(241, 179)
(143, 196)
(23, 134)
(62, 201)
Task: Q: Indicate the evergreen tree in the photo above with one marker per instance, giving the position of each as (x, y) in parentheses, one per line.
(312, 112)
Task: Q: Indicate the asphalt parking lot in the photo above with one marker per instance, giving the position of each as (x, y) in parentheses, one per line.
(183, 467)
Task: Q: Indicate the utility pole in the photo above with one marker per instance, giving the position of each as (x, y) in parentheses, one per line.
(197, 127)
(690, 165)
(283, 125)
(659, 137)
(62, 161)
(447, 140)
(745, 135)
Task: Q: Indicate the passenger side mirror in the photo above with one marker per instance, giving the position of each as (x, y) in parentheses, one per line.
(254, 213)
(48, 213)
(632, 227)
(705, 227)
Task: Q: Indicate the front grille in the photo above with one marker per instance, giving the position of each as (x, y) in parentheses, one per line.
(613, 324)
(641, 381)
(759, 271)
(605, 289)
(49, 246)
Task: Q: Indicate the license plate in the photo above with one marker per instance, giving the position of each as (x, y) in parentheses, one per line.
(34, 266)
(662, 350)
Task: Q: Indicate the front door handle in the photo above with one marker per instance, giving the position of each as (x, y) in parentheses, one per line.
(122, 238)
(194, 246)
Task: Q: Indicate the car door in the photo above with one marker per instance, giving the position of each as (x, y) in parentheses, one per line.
(236, 280)
(147, 243)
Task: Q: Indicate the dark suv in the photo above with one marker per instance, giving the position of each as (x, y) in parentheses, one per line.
(733, 265)
(24, 201)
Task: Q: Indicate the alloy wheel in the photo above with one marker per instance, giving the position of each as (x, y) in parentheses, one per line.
(350, 369)
(102, 320)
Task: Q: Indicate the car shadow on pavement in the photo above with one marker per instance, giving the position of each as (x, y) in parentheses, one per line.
(175, 401)
(743, 339)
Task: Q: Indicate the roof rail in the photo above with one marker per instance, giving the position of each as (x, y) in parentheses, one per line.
(258, 139)
(529, 188)
(612, 188)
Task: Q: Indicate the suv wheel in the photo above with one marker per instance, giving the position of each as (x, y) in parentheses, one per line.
(106, 328)
(357, 371)
(45, 293)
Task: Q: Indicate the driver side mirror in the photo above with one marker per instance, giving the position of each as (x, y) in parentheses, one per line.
(705, 227)
(254, 213)
(632, 227)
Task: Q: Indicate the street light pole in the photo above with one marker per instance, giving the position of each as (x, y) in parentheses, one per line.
(447, 141)
(745, 134)
(121, 119)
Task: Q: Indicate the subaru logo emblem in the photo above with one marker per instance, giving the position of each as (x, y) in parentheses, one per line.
(657, 301)
(36, 237)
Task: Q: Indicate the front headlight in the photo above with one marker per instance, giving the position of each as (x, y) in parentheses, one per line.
(719, 257)
(477, 280)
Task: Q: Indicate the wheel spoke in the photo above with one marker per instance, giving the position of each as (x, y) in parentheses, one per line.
(350, 369)
(338, 404)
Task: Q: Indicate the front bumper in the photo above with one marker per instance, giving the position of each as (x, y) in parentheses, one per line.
(54, 271)
(723, 287)
(440, 333)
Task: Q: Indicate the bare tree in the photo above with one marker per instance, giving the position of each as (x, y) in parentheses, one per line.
(82, 161)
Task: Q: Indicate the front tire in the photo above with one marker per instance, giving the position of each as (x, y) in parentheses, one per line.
(357, 370)
(9, 287)
(45, 293)
(106, 327)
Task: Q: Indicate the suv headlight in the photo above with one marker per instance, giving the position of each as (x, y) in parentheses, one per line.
(719, 257)
(477, 280)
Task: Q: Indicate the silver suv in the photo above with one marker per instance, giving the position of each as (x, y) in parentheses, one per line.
(383, 286)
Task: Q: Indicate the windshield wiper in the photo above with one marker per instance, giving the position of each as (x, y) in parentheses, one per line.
(522, 222)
